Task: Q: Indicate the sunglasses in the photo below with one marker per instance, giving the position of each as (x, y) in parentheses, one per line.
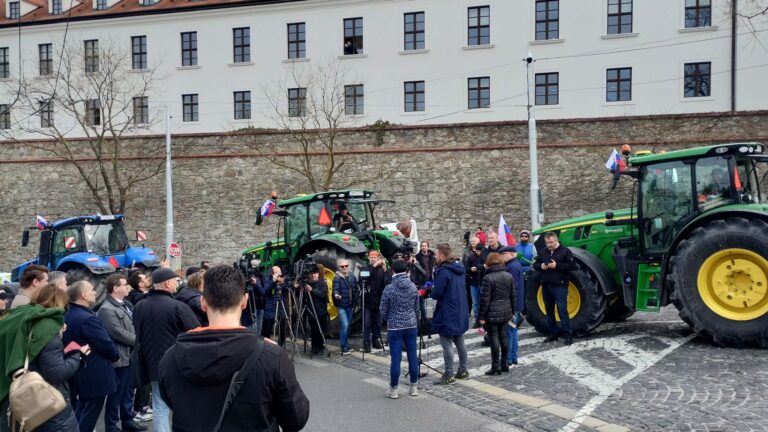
(343, 266)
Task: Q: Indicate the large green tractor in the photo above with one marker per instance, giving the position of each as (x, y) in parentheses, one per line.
(308, 228)
(696, 237)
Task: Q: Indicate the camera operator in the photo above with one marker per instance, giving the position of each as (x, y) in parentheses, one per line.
(253, 315)
(317, 289)
(379, 278)
(273, 289)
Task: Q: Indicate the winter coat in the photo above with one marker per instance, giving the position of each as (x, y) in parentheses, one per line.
(158, 319)
(347, 288)
(497, 296)
(427, 262)
(399, 303)
(527, 252)
(196, 372)
(557, 276)
(484, 256)
(135, 296)
(268, 290)
(451, 316)
(319, 296)
(56, 369)
(379, 279)
(515, 268)
(98, 377)
(119, 324)
(191, 297)
(474, 260)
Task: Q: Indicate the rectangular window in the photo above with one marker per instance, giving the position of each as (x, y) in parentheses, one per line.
(46, 58)
(414, 96)
(618, 85)
(14, 9)
(139, 52)
(297, 43)
(698, 77)
(242, 105)
(353, 99)
(46, 113)
(147, 2)
(140, 110)
(479, 92)
(5, 116)
(91, 56)
(5, 63)
(619, 16)
(547, 19)
(353, 36)
(297, 102)
(56, 7)
(101, 4)
(93, 112)
(190, 106)
(479, 25)
(414, 31)
(547, 88)
(189, 49)
(698, 13)
(241, 38)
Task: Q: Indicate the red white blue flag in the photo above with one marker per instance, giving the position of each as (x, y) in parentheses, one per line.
(267, 208)
(505, 234)
(614, 161)
(41, 223)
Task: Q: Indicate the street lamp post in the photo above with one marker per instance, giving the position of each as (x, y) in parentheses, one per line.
(168, 185)
(537, 214)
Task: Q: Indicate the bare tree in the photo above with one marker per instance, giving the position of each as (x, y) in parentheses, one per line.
(98, 102)
(309, 105)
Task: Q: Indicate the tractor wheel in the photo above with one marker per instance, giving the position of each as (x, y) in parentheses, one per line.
(330, 258)
(586, 302)
(719, 281)
(81, 273)
(617, 311)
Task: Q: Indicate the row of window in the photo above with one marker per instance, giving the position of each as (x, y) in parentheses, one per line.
(57, 7)
(618, 88)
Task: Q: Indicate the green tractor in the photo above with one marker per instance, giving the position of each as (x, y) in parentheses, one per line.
(309, 227)
(696, 237)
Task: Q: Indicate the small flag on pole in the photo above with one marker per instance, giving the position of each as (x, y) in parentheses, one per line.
(505, 234)
(41, 223)
(267, 208)
(614, 161)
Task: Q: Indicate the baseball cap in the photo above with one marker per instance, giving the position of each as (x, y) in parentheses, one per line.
(191, 270)
(163, 274)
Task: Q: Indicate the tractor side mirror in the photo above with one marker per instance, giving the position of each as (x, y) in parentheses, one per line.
(24, 238)
(609, 215)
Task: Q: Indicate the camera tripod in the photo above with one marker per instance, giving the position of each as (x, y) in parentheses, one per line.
(283, 318)
(308, 312)
(423, 344)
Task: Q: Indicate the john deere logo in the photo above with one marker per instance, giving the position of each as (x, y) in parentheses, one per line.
(721, 150)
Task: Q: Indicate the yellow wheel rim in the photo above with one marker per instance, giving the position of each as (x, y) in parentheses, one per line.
(328, 274)
(733, 283)
(574, 301)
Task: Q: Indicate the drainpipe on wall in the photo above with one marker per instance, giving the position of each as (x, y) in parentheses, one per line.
(734, 21)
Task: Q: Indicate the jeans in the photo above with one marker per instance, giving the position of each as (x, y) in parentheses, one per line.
(447, 343)
(142, 400)
(345, 314)
(396, 338)
(513, 339)
(161, 412)
(119, 407)
(499, 343)
(258, 321)
(372, 324)
(475, 290)
(557, 296)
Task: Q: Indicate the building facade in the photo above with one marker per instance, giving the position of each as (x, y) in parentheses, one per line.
(224, 65)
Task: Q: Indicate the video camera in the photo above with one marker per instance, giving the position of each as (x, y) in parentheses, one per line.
(249, 266)
(303, 268)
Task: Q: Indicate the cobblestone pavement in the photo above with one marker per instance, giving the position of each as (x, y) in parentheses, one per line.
(647, 374)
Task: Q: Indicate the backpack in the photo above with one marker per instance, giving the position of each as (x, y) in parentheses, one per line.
(32, 400)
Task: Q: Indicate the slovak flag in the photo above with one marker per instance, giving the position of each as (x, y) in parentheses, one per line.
(615, 160)
(505, 234)
(267, 207)
(41, 223)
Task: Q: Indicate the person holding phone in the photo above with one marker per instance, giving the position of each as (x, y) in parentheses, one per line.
(555, 262)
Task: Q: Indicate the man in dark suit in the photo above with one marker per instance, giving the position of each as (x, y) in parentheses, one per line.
(117, 315)
(97, 379)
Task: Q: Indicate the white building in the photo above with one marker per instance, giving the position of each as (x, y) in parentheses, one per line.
(406, 61)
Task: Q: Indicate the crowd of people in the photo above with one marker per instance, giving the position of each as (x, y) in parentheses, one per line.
(150, 350)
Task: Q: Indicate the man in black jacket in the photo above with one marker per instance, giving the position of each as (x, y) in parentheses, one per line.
(158, 320)
(195, 373)
(379, 278)
(555, 263)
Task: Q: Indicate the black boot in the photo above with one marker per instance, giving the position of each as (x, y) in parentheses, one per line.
(367, 347)
(376, 344)
(494, 370)
(504, 366)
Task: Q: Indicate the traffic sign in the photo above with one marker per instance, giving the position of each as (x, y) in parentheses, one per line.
(174, 250)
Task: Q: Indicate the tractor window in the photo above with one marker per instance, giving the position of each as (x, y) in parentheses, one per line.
(666, 199)
(67, 241)
(105, 239)
(296, 223)
(713, 186)
(358, 211)
(750, 184)
(316, 218)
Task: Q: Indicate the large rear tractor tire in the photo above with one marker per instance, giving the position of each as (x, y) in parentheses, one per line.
(719, 281)
(617, 311)
(586, 302)
(97, 280)
(329, 258)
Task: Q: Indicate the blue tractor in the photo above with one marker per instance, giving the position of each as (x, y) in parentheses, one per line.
(91, 247)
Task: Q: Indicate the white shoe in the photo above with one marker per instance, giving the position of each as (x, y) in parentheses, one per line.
(413, 389)
(392, 393)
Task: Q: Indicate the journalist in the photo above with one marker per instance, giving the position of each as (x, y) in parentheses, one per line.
(274, 291)
(378, 279)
